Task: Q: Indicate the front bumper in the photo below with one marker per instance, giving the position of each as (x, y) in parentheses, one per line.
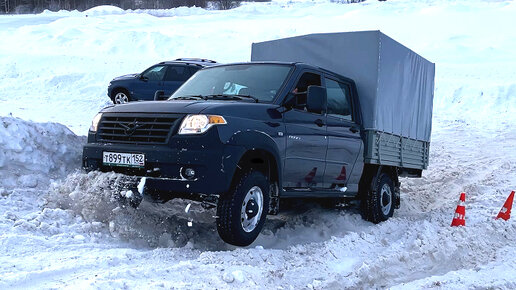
(214, 164)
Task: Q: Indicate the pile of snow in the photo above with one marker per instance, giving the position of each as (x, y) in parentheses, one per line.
(33, 154)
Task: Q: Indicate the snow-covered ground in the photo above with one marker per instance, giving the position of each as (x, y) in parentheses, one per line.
(60, 227)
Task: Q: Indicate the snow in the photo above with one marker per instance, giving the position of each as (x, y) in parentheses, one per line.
(62, 227)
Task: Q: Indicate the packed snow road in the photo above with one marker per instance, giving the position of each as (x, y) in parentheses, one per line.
(62, 227)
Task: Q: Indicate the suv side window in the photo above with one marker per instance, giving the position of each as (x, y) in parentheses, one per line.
(338, 99)
(301, 88)
(192, 70)
(155, 73)
(177, 73)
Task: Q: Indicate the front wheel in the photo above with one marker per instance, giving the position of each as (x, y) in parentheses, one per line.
(241, 213)
(378, 204)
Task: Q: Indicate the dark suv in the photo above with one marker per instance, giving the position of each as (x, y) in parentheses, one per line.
(165, 76)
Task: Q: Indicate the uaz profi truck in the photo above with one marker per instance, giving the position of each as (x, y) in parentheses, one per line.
(340, 115)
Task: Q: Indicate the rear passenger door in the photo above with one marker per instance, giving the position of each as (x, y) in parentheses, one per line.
(176, 75)
(344, 142)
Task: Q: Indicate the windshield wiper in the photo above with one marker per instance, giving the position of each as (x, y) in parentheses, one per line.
(232, 97)
(190, 97)
(248, 96)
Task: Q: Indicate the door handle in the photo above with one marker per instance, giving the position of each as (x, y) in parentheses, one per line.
(319, 122)
(353, 129)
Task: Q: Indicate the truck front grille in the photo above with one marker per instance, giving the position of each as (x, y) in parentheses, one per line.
(135, 129)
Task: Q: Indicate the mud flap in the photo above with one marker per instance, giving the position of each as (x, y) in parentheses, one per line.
(274, 199)
(397, 198)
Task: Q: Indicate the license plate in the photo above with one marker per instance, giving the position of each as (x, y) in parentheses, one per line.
(123, 159)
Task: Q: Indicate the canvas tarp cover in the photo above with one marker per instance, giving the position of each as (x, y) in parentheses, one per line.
(395, 85)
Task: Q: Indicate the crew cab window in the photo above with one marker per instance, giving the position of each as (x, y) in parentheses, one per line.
(177, 73)
(155, 73)
(301, 88)
(338, 99)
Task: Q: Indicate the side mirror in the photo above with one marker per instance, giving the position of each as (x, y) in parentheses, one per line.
(159, 95)
(142, 78)
(316, 99)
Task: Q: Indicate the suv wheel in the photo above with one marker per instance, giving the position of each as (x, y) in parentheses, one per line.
(241, 213)
(121, 97)
(377, 204)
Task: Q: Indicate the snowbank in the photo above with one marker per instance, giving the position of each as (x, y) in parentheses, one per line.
(32, 154)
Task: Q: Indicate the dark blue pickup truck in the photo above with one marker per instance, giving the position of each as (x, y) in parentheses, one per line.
(243, 136)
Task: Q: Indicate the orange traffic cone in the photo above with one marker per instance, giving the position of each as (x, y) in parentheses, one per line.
(459, 218)
(505, 212)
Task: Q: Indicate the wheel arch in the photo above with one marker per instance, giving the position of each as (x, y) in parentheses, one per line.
(371, 172)
(261, 160)
(370, 175)
(117, 89)
(261, 153)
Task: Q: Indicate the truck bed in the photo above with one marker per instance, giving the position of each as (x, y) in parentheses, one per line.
(394, 150)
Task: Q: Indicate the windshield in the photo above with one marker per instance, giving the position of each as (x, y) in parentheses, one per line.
(259, 81)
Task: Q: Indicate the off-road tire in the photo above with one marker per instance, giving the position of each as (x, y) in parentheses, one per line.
(229, 209)
(373, 205)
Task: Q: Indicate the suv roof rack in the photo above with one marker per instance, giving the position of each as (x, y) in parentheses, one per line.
(196, 59)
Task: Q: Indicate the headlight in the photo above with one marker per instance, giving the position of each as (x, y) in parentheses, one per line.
(198, 124)
(95, 122)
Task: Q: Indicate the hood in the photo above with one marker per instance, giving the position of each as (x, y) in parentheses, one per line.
(182, 107)
(225, 108)
(126, 77)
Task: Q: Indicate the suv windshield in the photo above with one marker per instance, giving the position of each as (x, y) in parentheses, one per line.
(260, 81)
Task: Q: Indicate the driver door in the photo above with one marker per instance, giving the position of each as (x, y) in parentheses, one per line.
(306, 140)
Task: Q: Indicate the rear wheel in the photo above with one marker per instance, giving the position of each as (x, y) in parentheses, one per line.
(378, 202)
(121, 97)
(241, 213)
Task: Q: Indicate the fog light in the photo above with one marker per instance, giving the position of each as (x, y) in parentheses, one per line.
(189, 172)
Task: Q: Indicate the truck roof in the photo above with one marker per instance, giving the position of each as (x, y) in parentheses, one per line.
(299, 65)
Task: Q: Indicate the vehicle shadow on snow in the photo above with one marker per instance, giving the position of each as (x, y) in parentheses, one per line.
(95, 197)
